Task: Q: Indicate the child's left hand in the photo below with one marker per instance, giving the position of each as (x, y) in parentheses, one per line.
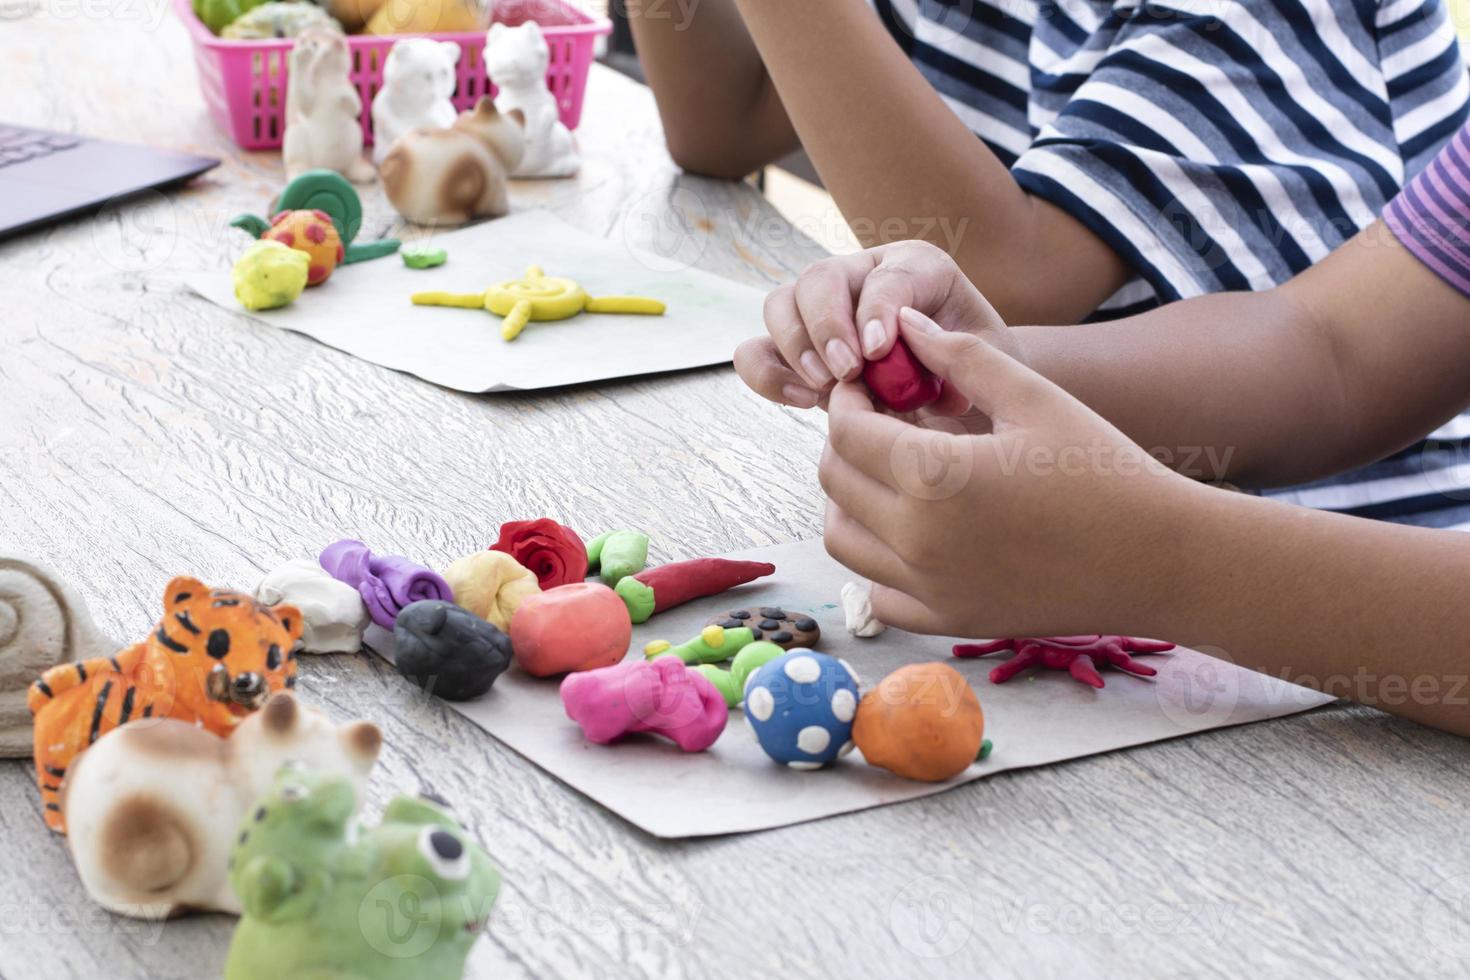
(1053, 523)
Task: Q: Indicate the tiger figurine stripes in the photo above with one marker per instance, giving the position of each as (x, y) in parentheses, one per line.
(214, 657)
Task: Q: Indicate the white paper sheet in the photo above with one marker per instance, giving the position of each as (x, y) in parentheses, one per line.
(1033, 720)
(364, 309)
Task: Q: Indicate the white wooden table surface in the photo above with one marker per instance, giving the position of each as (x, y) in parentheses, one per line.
(144, 433)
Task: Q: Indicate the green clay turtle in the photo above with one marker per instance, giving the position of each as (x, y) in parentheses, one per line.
(325, 899)
(330, 193)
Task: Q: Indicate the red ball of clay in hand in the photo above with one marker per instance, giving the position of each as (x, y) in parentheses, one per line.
(571, 627)
(899, 381)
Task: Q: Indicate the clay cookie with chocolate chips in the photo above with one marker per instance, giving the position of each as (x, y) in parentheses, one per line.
(773, 623)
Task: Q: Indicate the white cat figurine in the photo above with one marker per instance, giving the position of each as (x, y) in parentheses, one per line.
(323, 110)
(516, 60)
(154, 807)
(418, 82)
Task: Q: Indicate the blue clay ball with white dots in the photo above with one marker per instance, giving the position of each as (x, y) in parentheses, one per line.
(801, 706)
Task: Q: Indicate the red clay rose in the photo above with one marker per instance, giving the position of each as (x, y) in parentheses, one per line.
(553, 553)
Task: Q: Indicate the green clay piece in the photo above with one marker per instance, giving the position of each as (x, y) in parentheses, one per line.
(334, 196)
(731, 683)
(594, 549)
(637, 597)
(984, 750)
(713, 645)
(423, 257)
(620, 554)
(268, 275)
(217, 14)
(328, 900)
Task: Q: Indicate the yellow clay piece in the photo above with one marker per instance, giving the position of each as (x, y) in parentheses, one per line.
(655, 647)
(538, 298)
(713, 636)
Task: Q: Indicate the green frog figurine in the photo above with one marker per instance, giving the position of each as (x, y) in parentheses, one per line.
(325, 899)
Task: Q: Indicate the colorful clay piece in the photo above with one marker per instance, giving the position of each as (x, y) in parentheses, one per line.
(43, 623)
(857, 611)
(333, 615)
(450, 176)
(921, 722)
(775, 624)
(333, 195)
(554, 553)
(1080, 656)
(900, 382)
(713, 645)
(662, 697)
(731, 683)
(449, 651)
(582, 626)
(217, 14)
(387, 583)
(415, 17)
(423, 256)
(801, 706)
(153, 808)
(278, 18)
(311, 232)
(517, 58)
(214, 657)
(269, 275)
(656, 590)
(326, 899)
(491, 584)
(617, 554)
(538, 297)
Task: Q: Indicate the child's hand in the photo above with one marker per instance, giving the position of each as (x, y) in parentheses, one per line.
(1054, 523)
(843, 310)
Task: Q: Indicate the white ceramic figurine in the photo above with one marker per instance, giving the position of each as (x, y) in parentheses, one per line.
(450, 176)
(323, 110)
(418, 82)
(154, 807)
(516, 60)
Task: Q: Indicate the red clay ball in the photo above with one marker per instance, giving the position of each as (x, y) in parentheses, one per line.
(572, 627)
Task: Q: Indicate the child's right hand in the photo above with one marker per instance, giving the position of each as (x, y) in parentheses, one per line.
(844, 310)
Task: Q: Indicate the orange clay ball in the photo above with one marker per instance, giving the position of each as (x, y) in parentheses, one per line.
(311, 232)
(921, 722)
(581, 626)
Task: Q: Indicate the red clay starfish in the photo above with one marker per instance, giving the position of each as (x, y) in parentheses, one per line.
(1080, 656)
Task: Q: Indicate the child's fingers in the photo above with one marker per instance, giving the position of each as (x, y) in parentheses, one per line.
(824, 295)
(862, 497)
(915, 274)
(993, 381)
(858, 549)
(761, 367)
(783, 323)
(898, 608)
(869, 440)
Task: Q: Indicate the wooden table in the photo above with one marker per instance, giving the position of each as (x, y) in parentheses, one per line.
(145, 433)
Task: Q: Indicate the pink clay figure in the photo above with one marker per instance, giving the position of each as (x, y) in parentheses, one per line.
(661, 696)
(1079, 656)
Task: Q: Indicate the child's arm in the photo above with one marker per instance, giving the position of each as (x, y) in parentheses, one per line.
(1056, 524)
(898, 161)
(720, 112)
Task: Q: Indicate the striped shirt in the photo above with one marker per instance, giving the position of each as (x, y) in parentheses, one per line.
(1214, 144)
(1431, 216)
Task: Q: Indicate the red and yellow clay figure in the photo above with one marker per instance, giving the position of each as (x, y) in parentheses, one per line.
(571, 627)
(311, 232)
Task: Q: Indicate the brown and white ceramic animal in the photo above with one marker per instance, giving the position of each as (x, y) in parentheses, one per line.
(450, 176)
(154, 807)
(323, 109)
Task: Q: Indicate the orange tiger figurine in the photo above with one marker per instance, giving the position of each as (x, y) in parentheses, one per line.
(214, 658)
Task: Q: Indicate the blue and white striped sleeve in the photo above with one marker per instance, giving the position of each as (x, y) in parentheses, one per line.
(1229, 144)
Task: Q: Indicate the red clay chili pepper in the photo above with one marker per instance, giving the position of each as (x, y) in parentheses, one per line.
(656, 589)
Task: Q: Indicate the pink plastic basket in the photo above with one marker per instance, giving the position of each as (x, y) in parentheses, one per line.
(244, 82)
